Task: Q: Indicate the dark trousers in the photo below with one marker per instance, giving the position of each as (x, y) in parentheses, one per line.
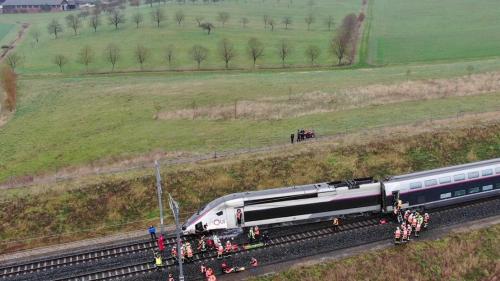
(153, 236)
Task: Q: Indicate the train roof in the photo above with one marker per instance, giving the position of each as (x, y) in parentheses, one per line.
(280, 191)
(444, 170)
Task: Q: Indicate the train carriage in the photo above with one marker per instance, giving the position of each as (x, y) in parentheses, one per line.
(428, 189)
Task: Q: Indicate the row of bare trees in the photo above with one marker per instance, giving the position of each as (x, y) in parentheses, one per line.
(226, 51)
(116, 18)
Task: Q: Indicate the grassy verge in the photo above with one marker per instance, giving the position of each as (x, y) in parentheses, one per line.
(56, 215)
(467, 256)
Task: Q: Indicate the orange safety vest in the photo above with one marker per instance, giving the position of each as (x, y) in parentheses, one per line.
(405, 233)
(414, 222)
(397, 234)
(212, 278)
(418, 227)
(220, 250)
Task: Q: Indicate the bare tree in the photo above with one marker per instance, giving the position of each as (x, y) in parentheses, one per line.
(112, 55)
(95, 21)
(329, 22)
(287, 21)
(8, 80)
(158, 15)
(116, 18)
(55, 28)
(223, 17)
(309, 20)
(86, 56)
(60, 61)
(73, 22)
(226, 51)
(266, 20)
(179, 17)
(199, 54)
(207, 26)
(169, 54)
(342, 45)
(244, 21)
(12, 60)
(271, 23)
(141, 54)
(312, 53)
(35, 33)
(255, 49)
(137, 18)
(284, 50)
(199, 19)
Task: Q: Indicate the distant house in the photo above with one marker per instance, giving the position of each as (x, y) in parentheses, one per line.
(31, 6)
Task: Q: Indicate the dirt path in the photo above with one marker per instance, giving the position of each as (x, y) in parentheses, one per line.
(13, 44)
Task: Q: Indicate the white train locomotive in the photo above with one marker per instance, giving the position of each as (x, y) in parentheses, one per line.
(428, 189)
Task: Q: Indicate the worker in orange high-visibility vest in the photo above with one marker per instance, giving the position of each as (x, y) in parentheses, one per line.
(397, 235)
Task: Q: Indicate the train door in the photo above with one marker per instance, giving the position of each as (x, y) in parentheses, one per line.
(234, 217)
(382, 197)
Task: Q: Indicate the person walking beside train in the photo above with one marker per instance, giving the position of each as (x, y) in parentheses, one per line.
(397, 235)
(152, 232)
(161, 244)
(405, 235)
(170, 277)
(254, 262)
(256, 232)
(426, 220)
(251, 235)
(220, 252)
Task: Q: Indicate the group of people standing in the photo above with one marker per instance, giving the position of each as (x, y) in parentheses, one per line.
(412, 222)
(302, 135)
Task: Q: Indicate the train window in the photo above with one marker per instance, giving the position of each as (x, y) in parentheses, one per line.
(497, 170)
(431, 182)
(488, 187)
(498, 186)
(487, 172)
(459, 177)
(473, 175)
(445, 195)
(474, 189)
(445, 180)
(414, 185)
(459, 192)
(219, 213)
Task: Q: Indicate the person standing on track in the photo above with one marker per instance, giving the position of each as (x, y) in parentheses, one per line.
(152, 232)
(161, 244)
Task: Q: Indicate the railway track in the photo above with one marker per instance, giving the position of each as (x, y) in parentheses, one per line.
(79, 258)
(323, 231)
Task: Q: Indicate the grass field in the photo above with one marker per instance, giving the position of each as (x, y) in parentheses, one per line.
(416, 31)
(472, 255)
(77, 120)
(38, 58)
(4, 30)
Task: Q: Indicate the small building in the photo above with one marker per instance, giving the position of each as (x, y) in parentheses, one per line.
(33, 6)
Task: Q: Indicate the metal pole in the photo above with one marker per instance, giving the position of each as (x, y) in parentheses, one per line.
(159, 191)
(175, 210)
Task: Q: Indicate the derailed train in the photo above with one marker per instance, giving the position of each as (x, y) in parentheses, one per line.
(424, 190)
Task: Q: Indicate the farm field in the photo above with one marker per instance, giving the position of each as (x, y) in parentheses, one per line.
(426, 31)
(38, 58)
(4, 30)
(78, 120)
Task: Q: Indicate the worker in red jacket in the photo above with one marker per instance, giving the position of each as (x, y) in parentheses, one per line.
(161, 243)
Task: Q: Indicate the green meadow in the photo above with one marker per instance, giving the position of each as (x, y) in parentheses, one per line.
(424, 31)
